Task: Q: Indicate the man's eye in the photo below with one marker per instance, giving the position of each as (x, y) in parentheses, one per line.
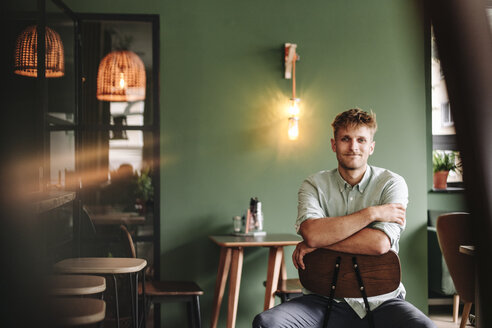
(362, 140)
(345, 139)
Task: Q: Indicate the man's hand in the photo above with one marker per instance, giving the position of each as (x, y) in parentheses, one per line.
(298, 254)
(389, 213)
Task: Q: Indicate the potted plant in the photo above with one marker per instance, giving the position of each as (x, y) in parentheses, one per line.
(442, 163)
(144, 191)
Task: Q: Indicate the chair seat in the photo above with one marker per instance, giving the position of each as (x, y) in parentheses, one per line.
(170, 288)
(288, 289)
(290, 286)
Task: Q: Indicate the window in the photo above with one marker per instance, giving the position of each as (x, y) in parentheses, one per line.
(443, 131)
(446, 116)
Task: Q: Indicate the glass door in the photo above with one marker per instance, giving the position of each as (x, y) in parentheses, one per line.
(118, 156)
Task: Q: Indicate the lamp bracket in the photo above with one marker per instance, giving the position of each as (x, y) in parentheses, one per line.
(290, 56)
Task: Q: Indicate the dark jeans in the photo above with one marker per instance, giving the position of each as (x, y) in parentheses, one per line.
(308, 311)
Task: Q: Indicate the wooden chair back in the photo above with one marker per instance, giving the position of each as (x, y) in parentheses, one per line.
(453, 230)
(129, 241)
(380, 274)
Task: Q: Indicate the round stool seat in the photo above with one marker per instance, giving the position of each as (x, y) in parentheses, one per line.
(63, 285)
(77, 311)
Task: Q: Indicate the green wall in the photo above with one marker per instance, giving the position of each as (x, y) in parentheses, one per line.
(223, 124)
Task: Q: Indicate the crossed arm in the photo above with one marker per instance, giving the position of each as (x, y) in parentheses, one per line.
(348, 233)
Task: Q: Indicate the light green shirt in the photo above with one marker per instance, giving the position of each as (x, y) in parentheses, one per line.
(327, 194)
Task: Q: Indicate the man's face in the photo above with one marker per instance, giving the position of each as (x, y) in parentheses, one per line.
(353, 145)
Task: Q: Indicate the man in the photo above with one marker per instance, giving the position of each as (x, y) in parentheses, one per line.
(356, 208)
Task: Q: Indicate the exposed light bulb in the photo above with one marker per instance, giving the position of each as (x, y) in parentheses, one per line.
(293, 129)
(294, 107)
(122, 81)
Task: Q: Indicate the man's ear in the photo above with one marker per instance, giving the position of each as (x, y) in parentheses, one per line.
(371, 150)
(333, 145)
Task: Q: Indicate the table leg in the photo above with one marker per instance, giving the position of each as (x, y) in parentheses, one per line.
(234, 284)
(283, 269)
(222, 272)
(274, 263)
(116, 302)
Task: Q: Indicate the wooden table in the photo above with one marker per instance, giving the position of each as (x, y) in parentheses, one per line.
(231, 260)
(470, 250)
(110, 266)
(117, 218)
(110, 215)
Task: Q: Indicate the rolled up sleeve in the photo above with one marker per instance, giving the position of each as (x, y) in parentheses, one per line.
(395, 191)
(308, 205)
(392, 230)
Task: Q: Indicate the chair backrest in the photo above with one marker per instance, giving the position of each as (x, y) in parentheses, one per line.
(86, 225)
(131, 251)
(128, 241)
(453, 230)
(380, 274)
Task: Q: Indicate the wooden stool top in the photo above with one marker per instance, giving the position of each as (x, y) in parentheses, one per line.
(100, 265)
(75, 285)
(77, 311)
(170, 288)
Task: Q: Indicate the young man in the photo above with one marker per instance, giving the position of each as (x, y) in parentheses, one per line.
(356, 208)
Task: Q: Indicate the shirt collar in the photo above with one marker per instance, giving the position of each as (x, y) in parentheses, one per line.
(365, 179)
(361, 186)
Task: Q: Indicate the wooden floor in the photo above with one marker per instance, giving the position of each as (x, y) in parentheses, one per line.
(442, 316)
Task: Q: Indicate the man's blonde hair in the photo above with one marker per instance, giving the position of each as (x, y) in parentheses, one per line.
(353, 118)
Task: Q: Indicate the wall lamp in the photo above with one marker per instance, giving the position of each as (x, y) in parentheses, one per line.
(291, 57)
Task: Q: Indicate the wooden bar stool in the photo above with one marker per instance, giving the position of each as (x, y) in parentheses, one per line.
(69, 312)
(72, 285)
(110, 266)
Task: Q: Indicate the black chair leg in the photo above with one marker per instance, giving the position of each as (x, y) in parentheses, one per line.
(144, 313)
(136, 301)
(196, 307)
(191, 314)
(145, 306)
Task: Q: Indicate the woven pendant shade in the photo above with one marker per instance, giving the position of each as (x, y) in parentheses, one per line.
(121, 77)
(26, 53)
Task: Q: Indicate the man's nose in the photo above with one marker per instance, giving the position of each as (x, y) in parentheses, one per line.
(353, 144)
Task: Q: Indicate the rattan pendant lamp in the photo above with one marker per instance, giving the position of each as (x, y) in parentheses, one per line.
(26, 53)
(121, 77)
